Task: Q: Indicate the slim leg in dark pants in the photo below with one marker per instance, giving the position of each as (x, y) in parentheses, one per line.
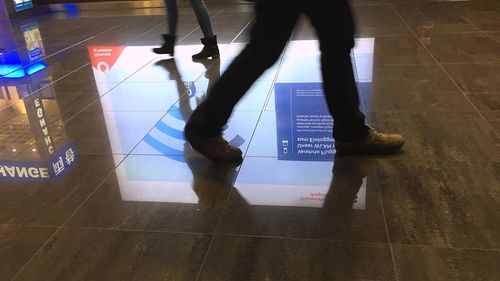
(334, 27)
(275, 21)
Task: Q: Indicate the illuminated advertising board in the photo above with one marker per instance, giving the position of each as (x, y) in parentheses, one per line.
(33, 40)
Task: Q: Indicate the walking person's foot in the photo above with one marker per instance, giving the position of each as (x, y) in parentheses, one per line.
(214, 148)
(167, 47)
(374, 143)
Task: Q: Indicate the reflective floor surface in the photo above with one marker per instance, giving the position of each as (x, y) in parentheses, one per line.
(97, 182)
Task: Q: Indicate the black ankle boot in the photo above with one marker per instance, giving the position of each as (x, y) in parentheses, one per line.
(168, 45)
(210, 48)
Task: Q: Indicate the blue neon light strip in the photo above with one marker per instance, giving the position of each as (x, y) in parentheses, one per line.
(17, 71)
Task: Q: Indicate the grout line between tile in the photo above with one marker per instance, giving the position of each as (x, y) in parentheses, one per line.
(393, 257)
(358, 242)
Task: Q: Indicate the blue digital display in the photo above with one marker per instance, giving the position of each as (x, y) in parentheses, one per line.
(20, 5)
(304, 124)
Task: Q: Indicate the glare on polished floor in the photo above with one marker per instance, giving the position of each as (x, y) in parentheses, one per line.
(97, 182)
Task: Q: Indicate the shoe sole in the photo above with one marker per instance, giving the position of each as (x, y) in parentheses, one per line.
(163, 53)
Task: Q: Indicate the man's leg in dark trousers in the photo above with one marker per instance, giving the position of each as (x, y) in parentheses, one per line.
(334, 26)
(275, 21)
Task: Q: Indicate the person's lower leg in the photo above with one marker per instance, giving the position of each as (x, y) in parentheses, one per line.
(209, 118)
(342, 96)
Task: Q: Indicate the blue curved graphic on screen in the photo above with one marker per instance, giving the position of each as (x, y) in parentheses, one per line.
(169, 131)
(171, 152)
(176, 113)
(161, 147)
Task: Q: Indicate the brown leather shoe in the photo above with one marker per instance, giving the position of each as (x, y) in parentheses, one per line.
(374, 143)
(214, 148)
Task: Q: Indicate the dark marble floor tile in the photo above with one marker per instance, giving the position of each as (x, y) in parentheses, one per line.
(493, 117)
(44, 199)
(93, 28)
(415, 102)
(490, 27)
(409, 78)
(475, 77)
(409, 1)
(230, 7)
(153, 37)
(378, 20)
(400, 50)
(67, 59)
(430, 18)
(441, 203)
(296, 199)
(126, 32)
(485, 100)
(369, 2)
(17, 245)
(225, 25)
(89, 131)
(301, 260)
(469, 47)
(495, 35)
(73, 92)
(76, 254)
(54, 26)
(426, 264)
(459, 136)
(172, 193)
(477, 12)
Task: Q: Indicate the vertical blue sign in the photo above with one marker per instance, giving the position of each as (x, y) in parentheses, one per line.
(61, 162)
(304, 124)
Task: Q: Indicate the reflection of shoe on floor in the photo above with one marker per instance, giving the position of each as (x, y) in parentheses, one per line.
(374, 143)
(171, 66)
(214, 148)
